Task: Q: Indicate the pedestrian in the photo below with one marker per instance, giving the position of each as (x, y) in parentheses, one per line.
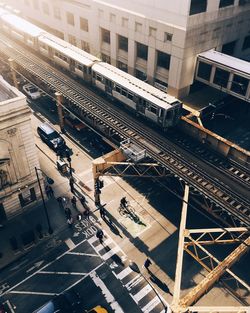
(68, 213)
(60, 202)
(70, 222)
(51, 191)
(73, 201)
(86, 213)
(79, 216)
(147, 263)
(102, 212)
(99, 235)
(71, 184)
(83, 201)
(47, 191)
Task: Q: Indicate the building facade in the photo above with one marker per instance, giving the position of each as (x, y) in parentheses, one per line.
(18, 156)
(157, 41)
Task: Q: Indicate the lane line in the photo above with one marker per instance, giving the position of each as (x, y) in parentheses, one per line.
(151, 305)
(82, 253)
(62, 273)
(133, 282)
(34, 293)
(124, 273)
(70, 243)
(28, 277)
(110, 253)
(142, 293)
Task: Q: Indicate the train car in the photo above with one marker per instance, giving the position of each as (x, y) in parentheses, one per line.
(20, 29)
(146, 100)
(67, 56)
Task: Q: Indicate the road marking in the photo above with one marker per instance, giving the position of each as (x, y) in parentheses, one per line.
(151, 305)
(62, 273)
(133, 282)
(124, 273)
(82, 253)
(36, 265)
(142, 293)
(70, 243)
(107, 294)
(110, 253)
(105, 242)
(34, 293)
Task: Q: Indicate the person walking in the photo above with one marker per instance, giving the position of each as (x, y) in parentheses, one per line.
(147, 263)
(68, 213)
(86, 213)
(60, 202)
(102, 212)
(73, 202)
(99, 235)
(70, 222)
(83, 201)
(50, 191)
(47, 191)
(71, 184)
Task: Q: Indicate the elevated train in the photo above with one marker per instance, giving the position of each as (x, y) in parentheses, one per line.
(142, 98)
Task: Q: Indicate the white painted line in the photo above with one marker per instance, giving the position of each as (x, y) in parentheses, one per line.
(33, 274)
(92, 239)
(105, 242)
(70, 243)
(107, 294)
(142, 293)
(151, 305)
(124, 273)
(81, 253)
(62, 273)
(110, 253)
(34, 293)
(133, 282)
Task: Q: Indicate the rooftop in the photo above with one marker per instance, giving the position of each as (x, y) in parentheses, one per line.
(6, 92)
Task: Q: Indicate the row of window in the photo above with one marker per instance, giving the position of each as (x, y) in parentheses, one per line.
(199, 6)
(239, 84)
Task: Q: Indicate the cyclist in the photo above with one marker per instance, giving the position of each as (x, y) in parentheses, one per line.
(124, 202)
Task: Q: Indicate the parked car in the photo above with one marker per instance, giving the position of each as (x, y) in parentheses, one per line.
(32, 91)
(74, 123)
(51, 137)
(97, 309)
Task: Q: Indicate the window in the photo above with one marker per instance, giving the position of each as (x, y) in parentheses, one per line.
(84, 24)
(153, 109)
(225, 3)
(36, 4)
(106, 58)
(168, 37)
(228, 48)
(142, 51)
(239, 84)
(140, 75)
(197, 6)
(105, 35)
(246, 43)
(45, 7)
(85, 46)
(221, 77)
(152, 31)
(124, 22)
(122, 43)
(138, 27)
(70, 19)
(122, 66)
(204, 70)
(112, 18)
(118, 88)
(72, 40)
(57, 13)
(163, 59)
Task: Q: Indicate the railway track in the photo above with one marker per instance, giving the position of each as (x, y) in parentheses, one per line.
(214, 183)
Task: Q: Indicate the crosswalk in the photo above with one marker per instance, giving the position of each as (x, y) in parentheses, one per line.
(137, 285)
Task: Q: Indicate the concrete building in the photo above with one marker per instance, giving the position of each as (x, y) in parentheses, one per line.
(18, 156)
(155, 40)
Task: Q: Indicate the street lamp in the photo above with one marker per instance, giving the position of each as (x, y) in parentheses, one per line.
(49, 180)
(134, 267)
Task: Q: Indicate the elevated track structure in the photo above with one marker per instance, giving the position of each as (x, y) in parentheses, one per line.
(223, 192)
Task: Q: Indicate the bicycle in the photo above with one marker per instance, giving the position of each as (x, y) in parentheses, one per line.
(126, 210)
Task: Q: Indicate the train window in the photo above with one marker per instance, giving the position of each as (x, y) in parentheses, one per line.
(153, 109)
(204, 70)
(118, 89)
(169, 114)
(80, 67)
(98, 77)
(161, 113)
(124, 92)
(221, 77)
(130, 96)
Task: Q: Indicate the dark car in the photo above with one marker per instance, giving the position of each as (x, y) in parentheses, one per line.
(51, 137)
(67, 302)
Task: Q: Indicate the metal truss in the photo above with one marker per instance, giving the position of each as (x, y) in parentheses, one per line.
(194, 242)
